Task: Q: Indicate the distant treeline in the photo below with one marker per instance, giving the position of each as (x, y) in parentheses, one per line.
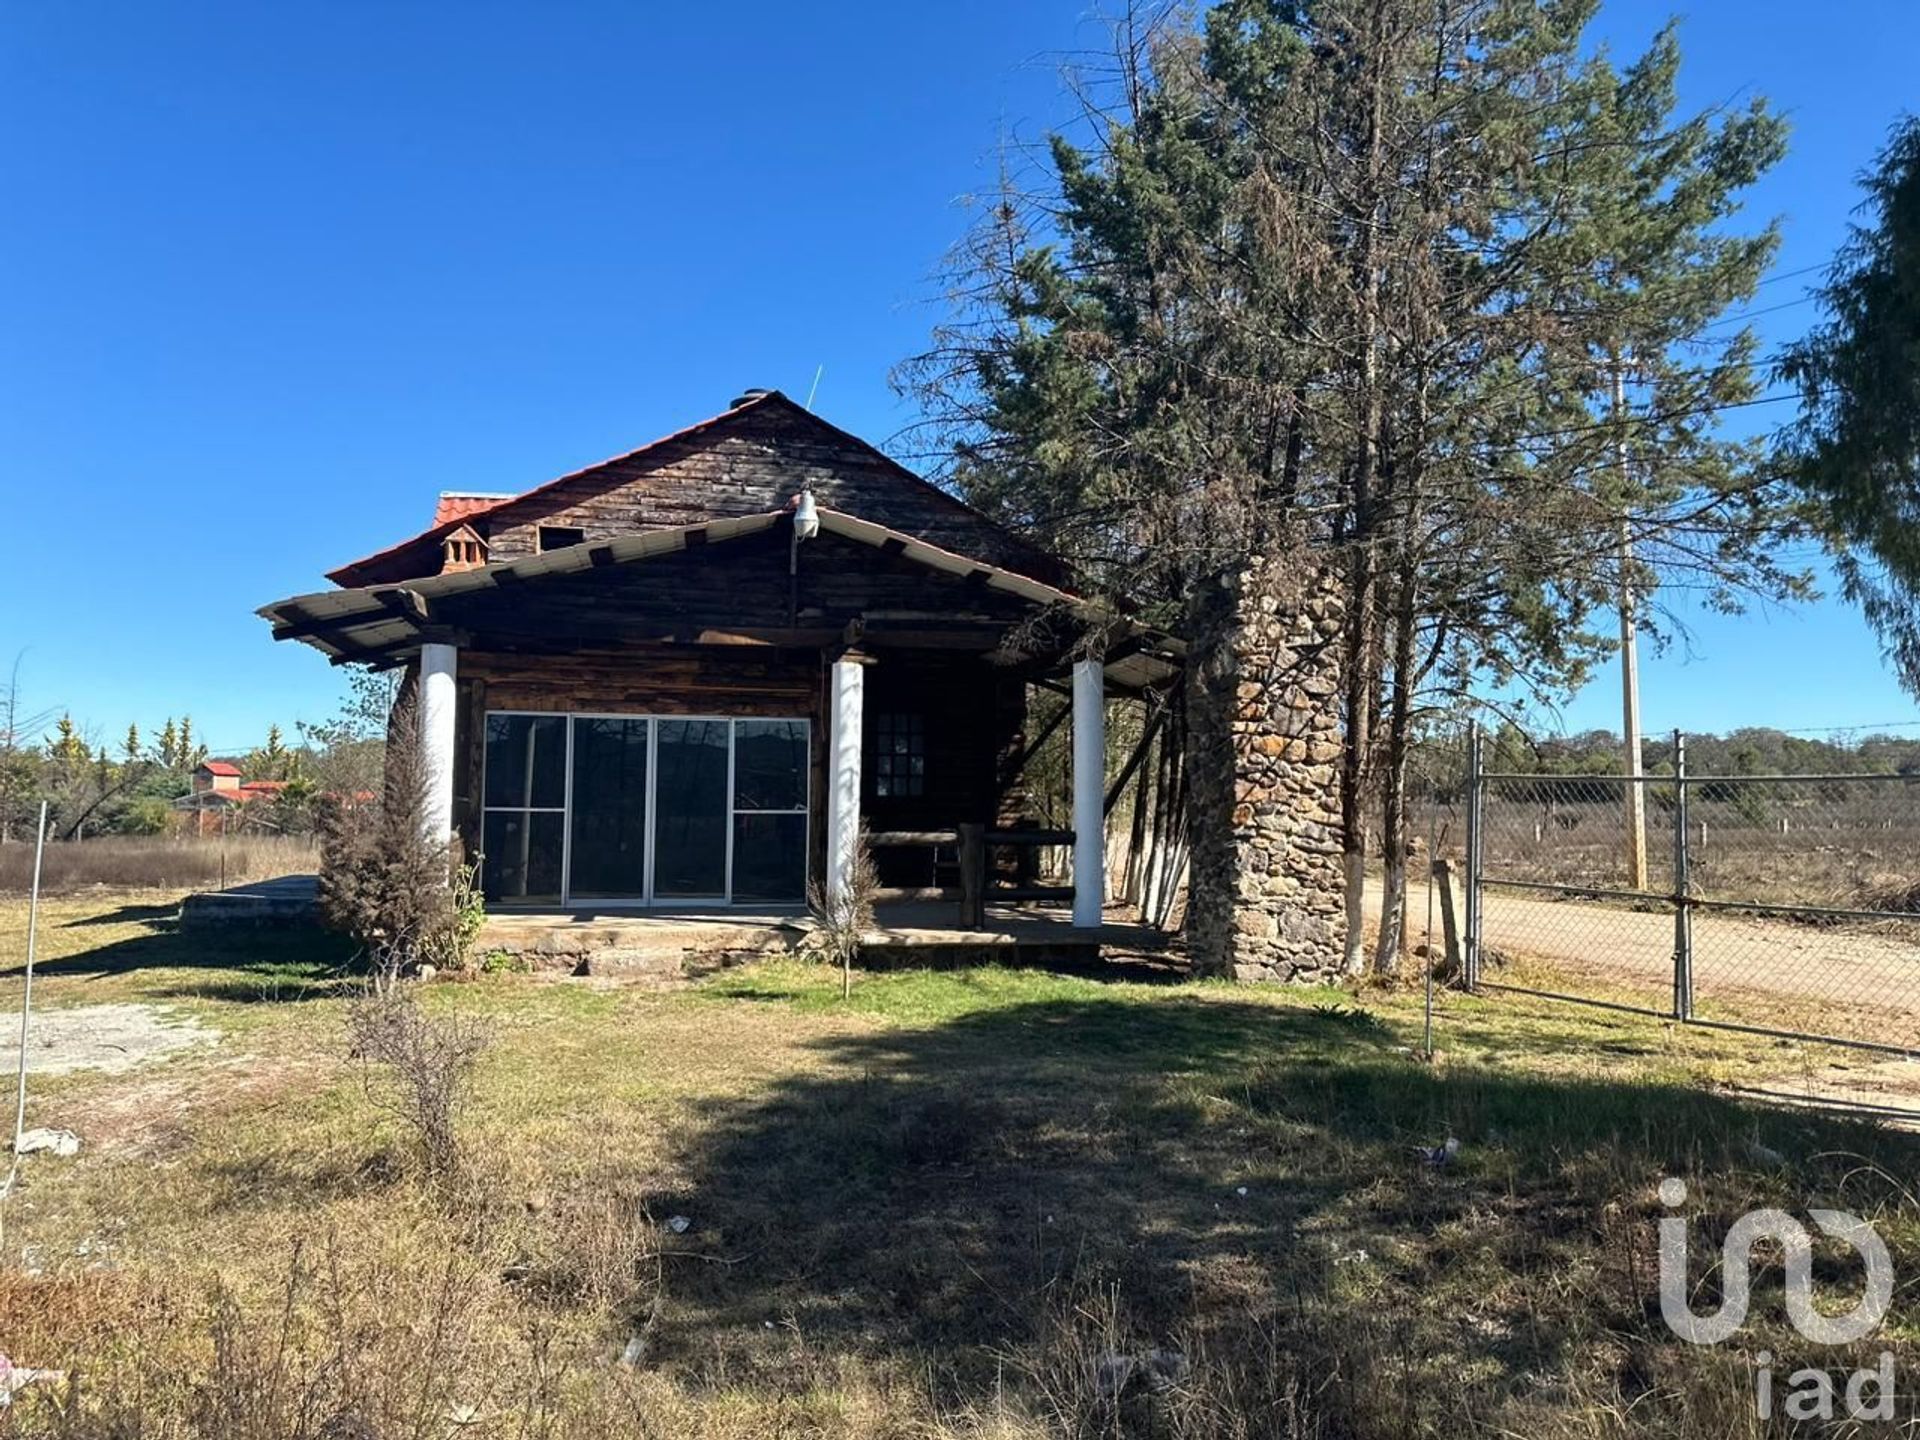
(1753, 750)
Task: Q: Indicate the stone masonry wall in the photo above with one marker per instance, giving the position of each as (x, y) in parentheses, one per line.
(1266, 888)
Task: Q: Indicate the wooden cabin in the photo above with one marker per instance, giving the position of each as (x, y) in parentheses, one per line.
(694, 673)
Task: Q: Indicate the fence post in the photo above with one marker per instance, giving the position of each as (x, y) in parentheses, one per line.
(1470, 970)
(1682, 900)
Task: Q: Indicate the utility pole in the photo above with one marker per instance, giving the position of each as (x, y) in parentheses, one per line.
(1636, 796)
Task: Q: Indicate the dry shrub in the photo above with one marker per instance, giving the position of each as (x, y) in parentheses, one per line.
(1097, 1374)
(843, 915)
(425, 1066)
(1894, 894)
(407, 899)
(351, 1349)
(54, 1321)
(597, 1250)
(142, 862)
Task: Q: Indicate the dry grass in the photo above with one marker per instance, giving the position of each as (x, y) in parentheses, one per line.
(139, 862)
(968, 1204)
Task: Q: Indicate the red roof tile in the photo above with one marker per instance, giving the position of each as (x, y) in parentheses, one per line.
(458, 507)
(219, 767)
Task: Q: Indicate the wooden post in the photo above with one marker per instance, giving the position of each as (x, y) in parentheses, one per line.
(1449, 922)
(973, 877)
(1089, 782)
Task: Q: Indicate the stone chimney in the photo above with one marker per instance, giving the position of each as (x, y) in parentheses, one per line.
(1266, 887)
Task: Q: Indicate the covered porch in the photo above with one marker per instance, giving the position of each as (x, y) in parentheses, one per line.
(707, 723)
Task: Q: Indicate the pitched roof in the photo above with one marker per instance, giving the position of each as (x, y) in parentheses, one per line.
(418, 555)
(383, 621)
(219, 767)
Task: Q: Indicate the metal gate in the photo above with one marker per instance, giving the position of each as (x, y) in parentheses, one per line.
(1780, 904)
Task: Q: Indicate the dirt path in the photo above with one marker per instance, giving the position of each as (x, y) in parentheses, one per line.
(109, 1038)
(1853, 983)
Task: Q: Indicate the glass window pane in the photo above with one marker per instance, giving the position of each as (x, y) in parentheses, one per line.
(690, 809)
(520, 857)
(769, 858)
(609, 858)
(769, 765)
(527, 761)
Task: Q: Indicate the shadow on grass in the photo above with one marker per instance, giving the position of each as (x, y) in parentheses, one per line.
(288, 963)
(1222, 1168)
(127, 915)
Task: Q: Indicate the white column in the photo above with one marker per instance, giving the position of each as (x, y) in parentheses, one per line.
(1089, 797)
(843, 772)
(438, 664)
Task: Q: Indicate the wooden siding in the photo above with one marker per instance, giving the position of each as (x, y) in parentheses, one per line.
(749, 461)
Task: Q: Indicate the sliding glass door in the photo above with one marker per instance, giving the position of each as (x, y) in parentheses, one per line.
(607, 836)
(690, 814)
(636, 810)
(523, 827)
(769, 809)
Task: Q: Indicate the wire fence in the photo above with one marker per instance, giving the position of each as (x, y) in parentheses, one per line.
(1787, 904)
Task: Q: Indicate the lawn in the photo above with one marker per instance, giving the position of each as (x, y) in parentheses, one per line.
(967, 1203)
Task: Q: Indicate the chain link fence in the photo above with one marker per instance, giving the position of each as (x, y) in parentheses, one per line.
(1786, 904)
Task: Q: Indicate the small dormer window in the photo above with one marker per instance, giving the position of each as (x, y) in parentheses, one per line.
(463, 549)
(559, 537)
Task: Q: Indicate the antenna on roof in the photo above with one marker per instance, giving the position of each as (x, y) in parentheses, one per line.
(814, 388)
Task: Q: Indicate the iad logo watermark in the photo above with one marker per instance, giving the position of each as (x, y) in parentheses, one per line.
(1812, 1394)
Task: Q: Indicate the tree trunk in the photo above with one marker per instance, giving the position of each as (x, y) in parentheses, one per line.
(1212, 683)
(1362, 675)
(1394, 841)
(1393, 778)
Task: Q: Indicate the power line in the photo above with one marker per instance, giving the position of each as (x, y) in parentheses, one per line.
(1793, 274)
(1747, 315)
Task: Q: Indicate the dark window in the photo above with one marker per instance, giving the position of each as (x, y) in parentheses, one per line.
(690, 809)
(769, 810)
(769, 765)
(769, 855)
(523, 832)
(899, 755)
(559, 537)
(526, 762)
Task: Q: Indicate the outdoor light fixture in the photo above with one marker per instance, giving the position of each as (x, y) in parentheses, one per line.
(806, 516)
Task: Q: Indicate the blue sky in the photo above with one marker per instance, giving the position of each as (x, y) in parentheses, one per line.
(276, 275)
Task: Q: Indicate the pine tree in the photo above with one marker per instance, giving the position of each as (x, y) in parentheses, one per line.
(1855, 450)
(191, 754)
(68, 747)
(1334, 278)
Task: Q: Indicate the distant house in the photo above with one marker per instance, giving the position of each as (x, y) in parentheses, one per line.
(695, 672)
(216, 777)
(218, 790)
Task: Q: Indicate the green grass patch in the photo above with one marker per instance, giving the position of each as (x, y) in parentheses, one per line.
(931, 1210)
